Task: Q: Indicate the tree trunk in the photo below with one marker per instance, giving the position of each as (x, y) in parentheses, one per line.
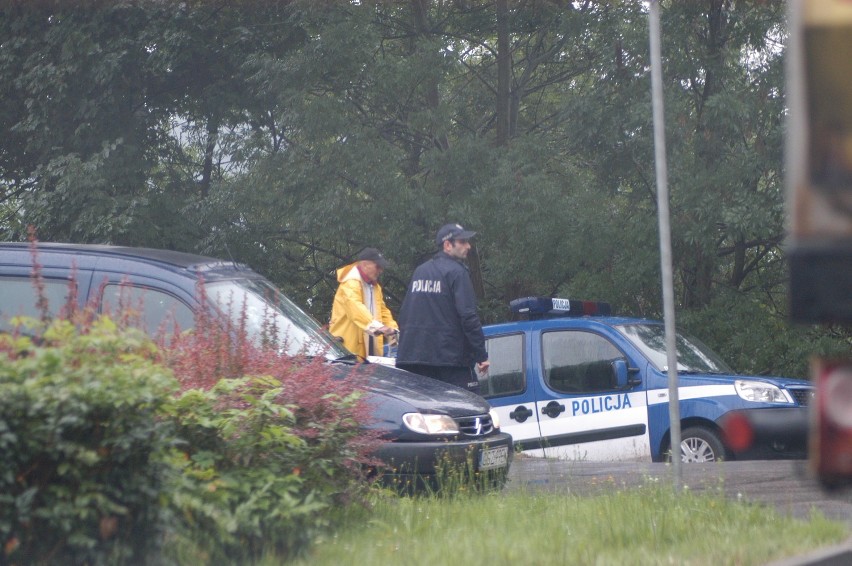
(504, 60)
(433, 98)
(700, 265)
(475, 267)
(698, 281)
(207, 168)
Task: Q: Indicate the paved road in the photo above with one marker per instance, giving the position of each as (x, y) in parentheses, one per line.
(783, 483)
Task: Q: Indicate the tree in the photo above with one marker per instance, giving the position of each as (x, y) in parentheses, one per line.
(291, 134)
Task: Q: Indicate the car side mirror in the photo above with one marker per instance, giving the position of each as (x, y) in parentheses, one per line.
(623, 378)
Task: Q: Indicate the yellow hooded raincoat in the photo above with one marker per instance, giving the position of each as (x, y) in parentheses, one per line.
(353, 315)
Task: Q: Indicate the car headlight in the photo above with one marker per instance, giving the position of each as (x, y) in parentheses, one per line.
(495, 418)
(761, 392)
(430, 424)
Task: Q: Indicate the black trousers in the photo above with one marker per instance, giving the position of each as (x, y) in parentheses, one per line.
(460, 376)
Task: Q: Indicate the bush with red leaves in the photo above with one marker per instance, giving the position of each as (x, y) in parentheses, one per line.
(265, 445)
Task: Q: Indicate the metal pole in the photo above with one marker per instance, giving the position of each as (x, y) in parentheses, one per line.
(665, 235)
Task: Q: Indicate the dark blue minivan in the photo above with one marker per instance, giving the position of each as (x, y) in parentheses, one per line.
(424, 421)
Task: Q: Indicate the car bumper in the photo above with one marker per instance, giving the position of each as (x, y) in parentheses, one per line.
(407, 462)
(766, 434)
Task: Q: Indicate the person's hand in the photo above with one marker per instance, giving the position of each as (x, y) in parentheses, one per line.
(482, 367)
(387, 330)
(393, 337)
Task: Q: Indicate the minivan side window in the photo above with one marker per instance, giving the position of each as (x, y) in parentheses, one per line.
(20, 298)
(578, 362)
(157, 310)
(506, 373)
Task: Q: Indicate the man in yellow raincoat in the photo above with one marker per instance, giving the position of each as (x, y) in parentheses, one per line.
(359, 315)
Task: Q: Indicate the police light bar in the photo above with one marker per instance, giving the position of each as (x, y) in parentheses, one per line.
(541, 307)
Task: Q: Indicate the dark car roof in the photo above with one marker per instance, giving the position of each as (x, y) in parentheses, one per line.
(164, 258)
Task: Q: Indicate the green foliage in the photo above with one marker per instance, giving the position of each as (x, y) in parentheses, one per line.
(247, 483)
(83, 449)
(291, 134)
(756, 340)
(105, 462)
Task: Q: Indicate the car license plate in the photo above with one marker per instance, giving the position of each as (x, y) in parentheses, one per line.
(491, 458)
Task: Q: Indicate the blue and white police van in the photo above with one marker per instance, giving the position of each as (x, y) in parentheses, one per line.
(574, 382)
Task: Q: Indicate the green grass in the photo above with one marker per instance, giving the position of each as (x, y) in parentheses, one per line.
(647, 525)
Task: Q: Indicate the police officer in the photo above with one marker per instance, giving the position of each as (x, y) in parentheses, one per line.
(440, 332)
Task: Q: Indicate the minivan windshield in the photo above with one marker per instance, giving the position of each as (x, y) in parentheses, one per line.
(270, 316)
(692, 355)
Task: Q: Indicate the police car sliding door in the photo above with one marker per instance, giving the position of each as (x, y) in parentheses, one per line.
(582, 413)
(507, 388)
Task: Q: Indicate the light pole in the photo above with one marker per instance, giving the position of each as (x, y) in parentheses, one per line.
(665, 235)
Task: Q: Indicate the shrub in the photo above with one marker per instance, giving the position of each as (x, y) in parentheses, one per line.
(248, 451)
(271, 444)
(248, 484)
(83, 451)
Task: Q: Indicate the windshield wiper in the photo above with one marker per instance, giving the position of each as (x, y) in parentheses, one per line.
(347, 359)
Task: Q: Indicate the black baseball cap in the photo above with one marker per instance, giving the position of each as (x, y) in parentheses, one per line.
(372, 254)
(453, 232)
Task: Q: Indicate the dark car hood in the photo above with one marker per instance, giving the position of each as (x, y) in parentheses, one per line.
(414, 393)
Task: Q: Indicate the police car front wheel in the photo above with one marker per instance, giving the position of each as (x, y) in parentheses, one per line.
(699, 444)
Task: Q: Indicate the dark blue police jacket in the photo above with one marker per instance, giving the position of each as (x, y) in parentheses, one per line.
(438, 321)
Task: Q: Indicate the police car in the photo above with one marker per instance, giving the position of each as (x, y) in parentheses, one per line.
(574, 382)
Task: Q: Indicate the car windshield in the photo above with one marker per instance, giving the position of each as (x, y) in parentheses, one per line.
(269, 316)
(692, 355)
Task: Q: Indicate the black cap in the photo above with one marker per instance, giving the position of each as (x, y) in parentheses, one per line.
(372, 254)
(453, 232)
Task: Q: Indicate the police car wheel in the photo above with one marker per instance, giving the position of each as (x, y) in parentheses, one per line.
(698, 444)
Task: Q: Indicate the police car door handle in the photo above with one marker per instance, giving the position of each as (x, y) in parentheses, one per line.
(520, 414)
(553, 409)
